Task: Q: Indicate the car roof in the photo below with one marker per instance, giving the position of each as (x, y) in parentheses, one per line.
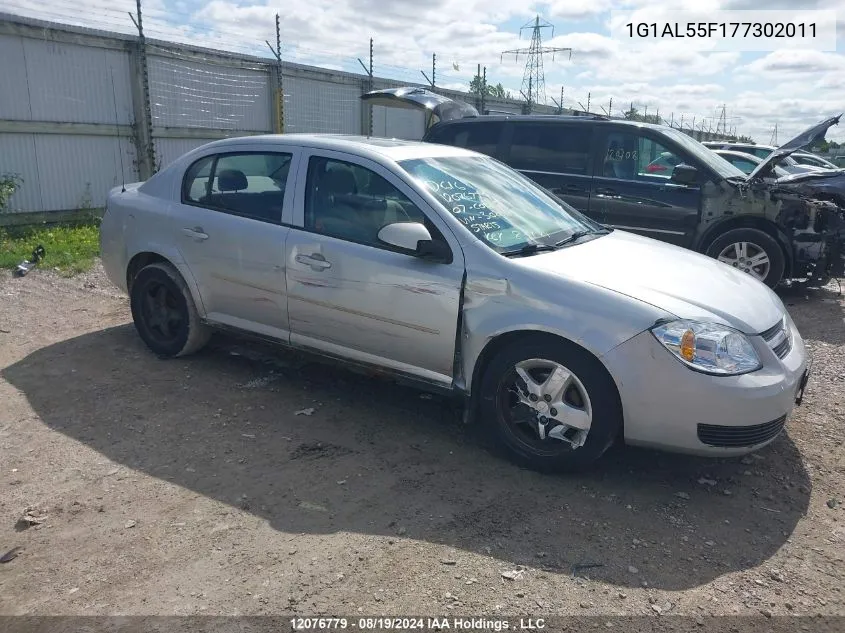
(548, 118)
(371, 146)
(751, 145)
(742, 155)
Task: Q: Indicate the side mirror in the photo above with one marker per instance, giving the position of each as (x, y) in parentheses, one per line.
(684, 175)
(414, 237)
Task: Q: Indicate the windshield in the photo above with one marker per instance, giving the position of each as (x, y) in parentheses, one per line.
(500, 206)
(707, 156)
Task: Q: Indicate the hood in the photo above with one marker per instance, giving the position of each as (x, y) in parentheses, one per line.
(838, 175)
(674, 279)
(443, 108)
(807, 137)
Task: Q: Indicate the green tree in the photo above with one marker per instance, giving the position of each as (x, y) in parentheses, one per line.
(497, 91)
(635, 115)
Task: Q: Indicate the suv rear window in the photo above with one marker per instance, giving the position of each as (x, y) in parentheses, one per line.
(550, 147)
(478, 137)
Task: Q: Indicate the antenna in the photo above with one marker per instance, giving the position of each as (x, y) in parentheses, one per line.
(534, 79)
(117, 129)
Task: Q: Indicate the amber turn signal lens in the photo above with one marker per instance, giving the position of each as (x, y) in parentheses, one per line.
(688, 345)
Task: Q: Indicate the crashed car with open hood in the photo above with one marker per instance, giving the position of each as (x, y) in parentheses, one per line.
(605, 168)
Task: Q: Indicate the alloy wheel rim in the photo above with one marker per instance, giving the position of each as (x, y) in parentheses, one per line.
(162, 315)
(748, 257)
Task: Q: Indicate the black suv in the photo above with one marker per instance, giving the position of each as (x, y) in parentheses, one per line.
(656, 181)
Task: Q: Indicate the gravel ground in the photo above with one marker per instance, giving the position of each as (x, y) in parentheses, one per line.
(199, 486)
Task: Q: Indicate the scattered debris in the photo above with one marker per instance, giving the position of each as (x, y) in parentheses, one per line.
(29, 519)
(448, 561)
(308, 411)
(249, 435)
(682, 495)
(633, 570)
(514, 574)
(832, 503)
(28, 264)
(425, 396)
(776, 575)
(11, 555)
(130, 523)
(74, 590)
(707, 482)
(657, 609)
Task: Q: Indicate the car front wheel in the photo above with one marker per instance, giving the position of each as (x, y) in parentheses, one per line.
(549, 405)
(752, 251)
(164, 312)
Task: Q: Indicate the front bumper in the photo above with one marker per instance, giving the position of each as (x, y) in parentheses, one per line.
(670, 407)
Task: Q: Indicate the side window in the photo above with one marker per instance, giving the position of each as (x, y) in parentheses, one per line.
(479, 137)
(196, 183)
(631, 156)
(745, 165)
(353, 203)
(249, 184)
(550, 147)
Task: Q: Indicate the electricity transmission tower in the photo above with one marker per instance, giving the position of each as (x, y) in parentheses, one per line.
(722, 125)
(533, 79)
(774, 139)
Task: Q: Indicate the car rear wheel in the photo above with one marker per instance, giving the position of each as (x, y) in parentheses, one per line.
(549, 405)
(752, 251)
(164, 312)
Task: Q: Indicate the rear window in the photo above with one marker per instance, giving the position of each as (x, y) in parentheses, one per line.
(478, 137)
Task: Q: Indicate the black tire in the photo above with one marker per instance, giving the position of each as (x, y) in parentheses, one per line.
(603, 396)
(172, 327)
(759, 239)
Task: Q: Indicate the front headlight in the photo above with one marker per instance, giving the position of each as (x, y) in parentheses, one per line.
(708, 347)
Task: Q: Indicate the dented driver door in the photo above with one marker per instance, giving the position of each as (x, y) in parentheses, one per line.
(350, 295)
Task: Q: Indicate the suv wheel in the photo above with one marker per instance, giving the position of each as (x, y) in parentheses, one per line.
(752, 251)
(164, 312)
(549, 405)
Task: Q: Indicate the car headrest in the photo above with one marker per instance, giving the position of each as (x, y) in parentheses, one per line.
(231, 180)
(378, 186)
(338, 181)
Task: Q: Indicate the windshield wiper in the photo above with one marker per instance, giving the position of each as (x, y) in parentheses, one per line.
(529, 249)
(579, 234)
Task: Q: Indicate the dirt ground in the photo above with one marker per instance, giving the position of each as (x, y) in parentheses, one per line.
(199, 486)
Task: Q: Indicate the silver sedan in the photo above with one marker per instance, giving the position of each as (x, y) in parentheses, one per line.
(449, 269)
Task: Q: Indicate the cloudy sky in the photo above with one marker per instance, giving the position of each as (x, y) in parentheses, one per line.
(790, 88)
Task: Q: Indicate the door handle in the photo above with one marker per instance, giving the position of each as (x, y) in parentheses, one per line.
(316, 261)
(195, 233)
(567, 189)
(602, 191)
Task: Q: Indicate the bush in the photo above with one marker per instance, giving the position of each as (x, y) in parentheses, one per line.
(9, 184)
